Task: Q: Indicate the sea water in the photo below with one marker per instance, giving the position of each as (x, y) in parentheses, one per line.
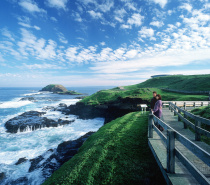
(31, 144)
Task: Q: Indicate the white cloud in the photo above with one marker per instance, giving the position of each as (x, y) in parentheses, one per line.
(146, 32)
(119, 14)
(53, 19)
(186, 6)
(106, 6)
(31, 6)
(157, 23)
(162, 3)
(5, 32)
(38, 48)
(102, 43)
(125, 26)
(59, 4)
(77, 17)
(95, 15)
(40, 66)
(169, 58)
(62, 38)
(136, 19)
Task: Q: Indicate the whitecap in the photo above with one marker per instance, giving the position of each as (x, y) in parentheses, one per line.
(14, 104)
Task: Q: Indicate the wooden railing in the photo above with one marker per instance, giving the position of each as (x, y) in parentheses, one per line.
(185, 104)
(172, 150)
(186, 115)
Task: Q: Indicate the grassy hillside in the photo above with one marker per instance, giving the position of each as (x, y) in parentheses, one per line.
(117, 154)
(106, 96)
(178, 82)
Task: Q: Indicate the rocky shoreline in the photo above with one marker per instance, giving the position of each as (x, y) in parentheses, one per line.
(50, 160)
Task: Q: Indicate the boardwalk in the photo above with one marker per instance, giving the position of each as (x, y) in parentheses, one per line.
(182, 175)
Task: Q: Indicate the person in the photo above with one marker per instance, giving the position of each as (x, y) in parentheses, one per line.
(157, 111)
(153, 100)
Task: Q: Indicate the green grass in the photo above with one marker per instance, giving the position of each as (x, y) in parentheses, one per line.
(202, 111)
(178, 82)
(117, 154)
(106, 96)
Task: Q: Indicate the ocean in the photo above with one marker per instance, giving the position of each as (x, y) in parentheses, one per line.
(31, 144)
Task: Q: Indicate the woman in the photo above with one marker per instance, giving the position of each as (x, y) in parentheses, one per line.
(158, 106)
(158, 109)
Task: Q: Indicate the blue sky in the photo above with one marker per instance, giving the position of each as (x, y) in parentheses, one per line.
(101, 42)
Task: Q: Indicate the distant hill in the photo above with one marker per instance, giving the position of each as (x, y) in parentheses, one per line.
(54, 88)
(178, 82)
(144, 90)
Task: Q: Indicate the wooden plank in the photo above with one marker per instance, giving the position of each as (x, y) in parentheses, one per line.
(192, 169)
(199, 152)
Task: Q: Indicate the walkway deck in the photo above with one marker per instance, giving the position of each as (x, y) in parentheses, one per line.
(181, 176)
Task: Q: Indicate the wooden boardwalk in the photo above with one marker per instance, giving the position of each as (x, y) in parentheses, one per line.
(158, 147)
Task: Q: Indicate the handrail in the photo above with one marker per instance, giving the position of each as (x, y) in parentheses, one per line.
(195, 117)
(172, 151)
(198, 120)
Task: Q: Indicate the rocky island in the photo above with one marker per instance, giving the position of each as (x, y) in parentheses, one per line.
(59, 89)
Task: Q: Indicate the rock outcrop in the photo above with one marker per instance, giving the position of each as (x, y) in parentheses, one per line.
(110, 110)
(59, 89)
(32, 120)
(32, 99)
(54, 88)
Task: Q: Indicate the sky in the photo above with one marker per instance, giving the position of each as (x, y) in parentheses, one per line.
(101, 42)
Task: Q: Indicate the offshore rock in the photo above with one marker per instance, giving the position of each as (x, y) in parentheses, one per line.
(32, 120)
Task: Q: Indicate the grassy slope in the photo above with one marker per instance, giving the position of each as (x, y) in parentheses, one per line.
(179, 82)
(117, 154)
(202, 111)
(106, 96)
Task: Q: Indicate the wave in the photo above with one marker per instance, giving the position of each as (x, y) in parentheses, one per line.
(37, 93)
(14, 104)
(69, 101)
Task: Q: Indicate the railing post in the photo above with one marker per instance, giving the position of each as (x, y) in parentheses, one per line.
(194, 104)
(197, 134)
(169, 106)
(170, 151)
(185, 125)
(150, 123)
(184, 105)
(201, 104)
(178, 115)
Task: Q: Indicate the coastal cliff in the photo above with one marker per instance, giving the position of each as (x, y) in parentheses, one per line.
(110, 110)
